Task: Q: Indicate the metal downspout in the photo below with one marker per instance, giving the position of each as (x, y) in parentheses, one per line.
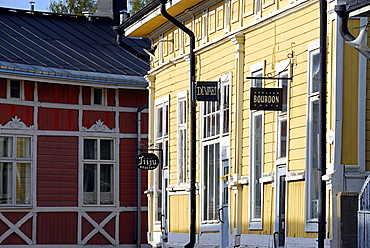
(343, 27)
(192, 121)
(322, 126)
(138, 214)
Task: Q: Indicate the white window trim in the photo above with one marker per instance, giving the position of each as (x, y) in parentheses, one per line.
(256, 224)
(223, 140)
(22, 90)
(311, 224)
(233, 3)
(210, 14)
(164, 101)
(115, 163)
(14, 160)
(243, 8)
(220, 8)
(182, 96)
(282, 68)
(103, 96)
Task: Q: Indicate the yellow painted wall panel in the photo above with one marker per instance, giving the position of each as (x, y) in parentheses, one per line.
(179, 213)
(295, 218)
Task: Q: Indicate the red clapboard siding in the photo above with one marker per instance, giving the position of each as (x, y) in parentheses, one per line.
(111, 95)
(98, 217)
(14, 239)
(86, 95)
(90, 117)
(57, 171)
(25, 113)
(132, 98)
(3, 87)
(57, 228)
(29, 88)
(58, 119)
(46, 92)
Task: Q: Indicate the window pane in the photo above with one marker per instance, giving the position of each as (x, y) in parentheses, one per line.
(6, 189)
(6, 147)
(159, 122)
(106, 184)
(106, 149)
(257, 163)
(315, 73)
(98, 96)
(283, 139)
(23, 183)
(89, 187)
(15, 89)
(23, 147)
(90, 148)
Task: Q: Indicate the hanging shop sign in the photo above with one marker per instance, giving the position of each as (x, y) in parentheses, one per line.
(206, 91)
(147, 161)
(266, 99)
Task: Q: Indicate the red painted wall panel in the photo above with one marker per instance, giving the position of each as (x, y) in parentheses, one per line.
(128, 233)
(132, 98)
(57, 171)
(86, 95)
(111, 97)
(99, 239)
(29, 88)
(57, 228)
(128, 122)
(58, 119)
(3, 87)
(25, 113)
(26, 228)
(58, 93)
(90, 117)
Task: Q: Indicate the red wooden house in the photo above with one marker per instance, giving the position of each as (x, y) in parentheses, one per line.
(70, 98)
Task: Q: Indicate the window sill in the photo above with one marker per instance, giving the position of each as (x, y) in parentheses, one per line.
(255, 225)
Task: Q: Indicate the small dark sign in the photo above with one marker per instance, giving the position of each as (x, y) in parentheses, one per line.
(266, 99)
(147, 161)
(206, 91)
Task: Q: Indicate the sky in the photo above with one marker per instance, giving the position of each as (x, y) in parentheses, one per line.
(40, 5)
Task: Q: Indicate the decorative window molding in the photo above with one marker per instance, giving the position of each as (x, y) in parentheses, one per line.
(99, 126)
(16, 123)
(295, 176)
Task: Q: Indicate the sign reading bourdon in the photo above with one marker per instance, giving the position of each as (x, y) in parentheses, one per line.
(207, 91)
(266, 99)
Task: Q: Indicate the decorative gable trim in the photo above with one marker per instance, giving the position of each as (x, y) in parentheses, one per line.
(16, 123)
(99, 126)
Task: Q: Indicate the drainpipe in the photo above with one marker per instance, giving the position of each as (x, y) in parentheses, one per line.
(192, 121)
(343, 27)
(138, 214)
(322, 127)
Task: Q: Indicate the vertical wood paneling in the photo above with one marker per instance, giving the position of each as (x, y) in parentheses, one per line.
(132, 98)
(58, 119)
(179, 213)
(90, 117)
(57, 171)
(56, 228)
(86, 95)
(29, 88)
(25, 113)
(3, 84)
(111, 97)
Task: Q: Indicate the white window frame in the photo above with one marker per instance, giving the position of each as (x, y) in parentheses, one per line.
(103, 96)
(99, 162)
(182, 138)
(283, 70)
(160, 141)
(255, 222)
(312, 97)
(257, 8)
(14, 160)
(219, 9)
(222, 139)
(235, 4)
(21, 93)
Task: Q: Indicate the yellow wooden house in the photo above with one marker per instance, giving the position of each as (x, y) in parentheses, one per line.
(256, 171)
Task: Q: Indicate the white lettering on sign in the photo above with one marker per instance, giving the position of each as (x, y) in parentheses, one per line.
(266, 99)
(145, 161)
(206, 90)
